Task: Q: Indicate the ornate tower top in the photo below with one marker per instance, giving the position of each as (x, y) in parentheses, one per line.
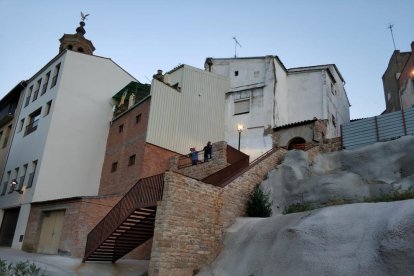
(77, 42)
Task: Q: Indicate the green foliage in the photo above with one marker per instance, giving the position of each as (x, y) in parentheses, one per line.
(393, 196)
(296, 208)
(23, 268)
(259, 204)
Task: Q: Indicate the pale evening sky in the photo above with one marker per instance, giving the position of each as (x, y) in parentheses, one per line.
(143, 36)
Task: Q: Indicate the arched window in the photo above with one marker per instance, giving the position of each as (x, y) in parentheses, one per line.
(297, 143)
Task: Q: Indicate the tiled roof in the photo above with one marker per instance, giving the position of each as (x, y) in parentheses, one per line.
(295, 124)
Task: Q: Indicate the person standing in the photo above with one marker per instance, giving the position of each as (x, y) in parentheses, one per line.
(194, 156)
(207, 151)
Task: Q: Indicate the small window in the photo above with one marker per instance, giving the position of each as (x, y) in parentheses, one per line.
(241, 106)
(16, 174)
(44, 87)
(47, 109)
(29, 94)
(55, 75)
(36, 92)
(5, 183)
(70, 47)
(114, 167)
(333, 121)
(121, 128)
(236, 73)
(131, 160)
(80, 50)
(21, 124)
(32, 174)
(138, 118)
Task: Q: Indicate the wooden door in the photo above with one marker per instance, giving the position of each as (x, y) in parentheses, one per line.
(51, 231)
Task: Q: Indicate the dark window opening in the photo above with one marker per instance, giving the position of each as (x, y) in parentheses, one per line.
(80, 50)
(138, 118)
(70, 47)
(33, 122)
(120, 128)
(131, 160)
(114, 167)
(236, 73)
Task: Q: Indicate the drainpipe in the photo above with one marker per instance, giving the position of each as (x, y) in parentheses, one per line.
(274, 93)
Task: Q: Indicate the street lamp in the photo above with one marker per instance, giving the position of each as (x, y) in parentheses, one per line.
(14, 184)
(239, 129)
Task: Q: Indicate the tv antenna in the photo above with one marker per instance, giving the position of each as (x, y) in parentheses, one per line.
(392, 34)
(236, 42)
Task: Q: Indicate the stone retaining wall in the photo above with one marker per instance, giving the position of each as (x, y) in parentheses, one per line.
(192, 217)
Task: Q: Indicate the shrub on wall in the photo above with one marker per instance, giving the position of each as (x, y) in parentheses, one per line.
(258, 204)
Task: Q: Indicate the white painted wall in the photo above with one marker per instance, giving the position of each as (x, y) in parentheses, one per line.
(70, 142)
(188, 118)
(407, 94)
(21, 226)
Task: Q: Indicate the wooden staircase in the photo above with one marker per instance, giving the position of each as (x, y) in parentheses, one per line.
(129, 224)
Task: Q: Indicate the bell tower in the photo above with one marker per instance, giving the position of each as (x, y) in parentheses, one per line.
(77, 42)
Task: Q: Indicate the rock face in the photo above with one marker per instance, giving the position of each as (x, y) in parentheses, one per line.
(345, 176)
(352, 239)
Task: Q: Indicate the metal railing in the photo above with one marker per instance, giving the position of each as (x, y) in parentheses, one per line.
(145, 193)
(185, 160)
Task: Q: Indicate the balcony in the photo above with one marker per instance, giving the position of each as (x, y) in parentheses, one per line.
(31, 127)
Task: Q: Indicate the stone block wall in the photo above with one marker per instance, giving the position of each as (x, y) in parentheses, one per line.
(330, 145)
(217, 162)
(192, 217)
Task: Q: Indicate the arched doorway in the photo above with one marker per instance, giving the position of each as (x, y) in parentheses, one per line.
(297, 143)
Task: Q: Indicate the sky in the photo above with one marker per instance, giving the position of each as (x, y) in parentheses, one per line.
(143, 36)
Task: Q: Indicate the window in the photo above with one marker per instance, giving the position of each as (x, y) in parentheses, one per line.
(241, 106)
(138, 118)
(121, 128)
(6, 138)
(48, 106)
(131, 160)
(1, 135)
(21, 125)
(32, 174)
(36, 92)
(22, 177)
(114, 167)
(236, 73)
(80, 50)
(33, 122)
(44, 87)
(29, 94)
(333, 121)
(16, 173)
(55, 75)
(5, 183)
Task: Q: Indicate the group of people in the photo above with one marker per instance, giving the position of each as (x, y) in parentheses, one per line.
(207, 153)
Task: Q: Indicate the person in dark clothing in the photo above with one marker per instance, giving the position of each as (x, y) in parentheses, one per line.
(207, 151)
(194, 156)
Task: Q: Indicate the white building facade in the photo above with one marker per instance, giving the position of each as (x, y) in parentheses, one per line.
(263, 94)
(59, 143)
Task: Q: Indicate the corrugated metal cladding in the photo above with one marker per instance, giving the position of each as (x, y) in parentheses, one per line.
(380, 128)
(191, 117)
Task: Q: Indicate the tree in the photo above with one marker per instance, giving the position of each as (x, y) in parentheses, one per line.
(258, 204)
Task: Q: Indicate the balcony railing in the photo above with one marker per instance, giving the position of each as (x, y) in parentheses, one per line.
(31, 127)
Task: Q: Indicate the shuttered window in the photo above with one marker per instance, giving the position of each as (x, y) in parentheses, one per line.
(242, 106)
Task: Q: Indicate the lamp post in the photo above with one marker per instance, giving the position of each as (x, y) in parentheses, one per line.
(14, 184)
(239, 129)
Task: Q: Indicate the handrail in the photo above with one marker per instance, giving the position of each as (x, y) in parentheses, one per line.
(147, 191)
(185, 160)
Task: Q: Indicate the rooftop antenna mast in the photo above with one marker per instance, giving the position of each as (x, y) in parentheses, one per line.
(235, 46)
(392, 34)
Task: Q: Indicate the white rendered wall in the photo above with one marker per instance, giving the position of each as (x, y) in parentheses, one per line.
(188, 118)
(70, 142)
(21, 225)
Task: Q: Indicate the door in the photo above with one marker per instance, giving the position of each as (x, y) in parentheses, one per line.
(51, 231)
(8, 226)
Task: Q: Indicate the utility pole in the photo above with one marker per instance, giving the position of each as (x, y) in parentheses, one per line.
(392, 34)
(235, 46)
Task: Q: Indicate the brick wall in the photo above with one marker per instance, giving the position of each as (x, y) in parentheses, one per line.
(217, 162)
(81, 215)
(192, 217)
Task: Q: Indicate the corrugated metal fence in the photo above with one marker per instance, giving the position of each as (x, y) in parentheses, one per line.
(385, 127)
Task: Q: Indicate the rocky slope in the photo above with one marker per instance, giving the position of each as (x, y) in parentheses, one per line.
(351, 239)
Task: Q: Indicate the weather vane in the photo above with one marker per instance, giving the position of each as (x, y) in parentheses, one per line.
(83, 16)
(392, 34)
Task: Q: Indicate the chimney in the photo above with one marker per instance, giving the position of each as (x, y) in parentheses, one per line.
(159, 76)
